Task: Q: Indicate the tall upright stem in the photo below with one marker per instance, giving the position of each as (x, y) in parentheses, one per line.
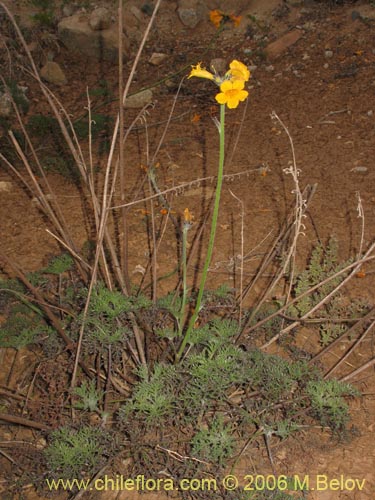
(184, 278)
(211, 242)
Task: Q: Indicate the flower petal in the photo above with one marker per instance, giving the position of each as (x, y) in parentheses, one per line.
(238, 84)
(201, 72)
(226, 86)
(238, 71)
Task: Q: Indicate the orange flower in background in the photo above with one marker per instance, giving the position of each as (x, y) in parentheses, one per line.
(216, 17)
(235, 19)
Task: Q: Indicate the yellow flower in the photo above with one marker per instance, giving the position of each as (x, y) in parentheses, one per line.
(238, 71)
(201, 72)
(232, 93)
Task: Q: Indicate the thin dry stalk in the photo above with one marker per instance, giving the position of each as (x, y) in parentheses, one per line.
(181, 188)
(349, 351)
(59, 219)
(361, 215)
(103, 230)
(242, 252)
(308, 292)
(369, 316)
(300, 205)
(90, 172)
(154, 250)
(354, 270)
(353, 374)
(12, 419)
(276, 247)
(123, 213)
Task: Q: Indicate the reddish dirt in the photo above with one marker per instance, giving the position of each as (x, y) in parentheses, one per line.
(325, 102)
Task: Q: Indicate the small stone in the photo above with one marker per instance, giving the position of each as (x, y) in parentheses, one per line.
(139, 269)
(100, 19)
(275, 49)
(328, 54)
(269, 68)
(5, 105)
(5, 186)
(355, 15)
(305, 57)
(370, 112)
(157, 58)
(170, 84)
(191, 12)
(52, 73)
(68, 10)
(139, 99)
(326, 66)
(359, 169)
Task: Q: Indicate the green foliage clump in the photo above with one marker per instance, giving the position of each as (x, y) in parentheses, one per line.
(45, 18)
(323, 264)
(154, 398)
(89, 396)
(16, 94)
(42, 125)
(216, 443)
(73, 452)
(170, 303)
(23, 327)
(275, 377)
(59, 264)
(100, 123)
(328, 404)
(108, 316)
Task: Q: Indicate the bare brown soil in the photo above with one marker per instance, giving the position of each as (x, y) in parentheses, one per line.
(327, 105)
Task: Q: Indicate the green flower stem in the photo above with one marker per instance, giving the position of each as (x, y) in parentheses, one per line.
(215, 214)
(184, 281)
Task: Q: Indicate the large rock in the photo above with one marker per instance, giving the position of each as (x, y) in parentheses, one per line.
(100, 19)
(76, 34)
(139, 100)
